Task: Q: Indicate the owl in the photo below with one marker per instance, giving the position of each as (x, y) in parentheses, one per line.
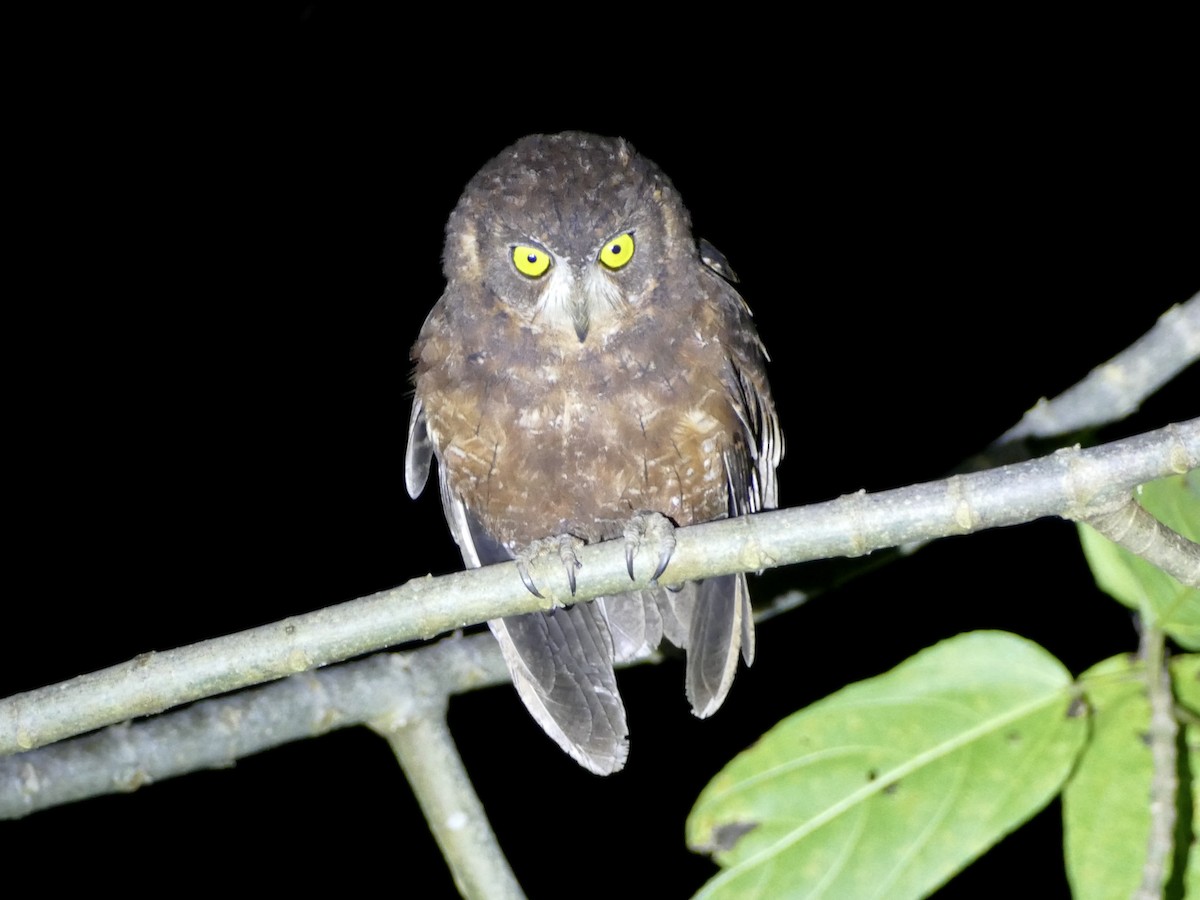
(589, 372)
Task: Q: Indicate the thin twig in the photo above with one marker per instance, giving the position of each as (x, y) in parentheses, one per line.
(1164, 783)
(1118, 387)
(1130, 526)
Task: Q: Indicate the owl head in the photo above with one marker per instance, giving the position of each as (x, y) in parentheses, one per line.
(569, 233)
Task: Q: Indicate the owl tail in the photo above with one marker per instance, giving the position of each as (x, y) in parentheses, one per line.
(711, 619)
(722, 623)
(561, 663)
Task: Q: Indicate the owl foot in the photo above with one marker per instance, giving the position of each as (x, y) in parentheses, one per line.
(653, 529)
(561, 547)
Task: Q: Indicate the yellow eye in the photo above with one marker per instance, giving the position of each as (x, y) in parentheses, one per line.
(618, 251)
(531, 261)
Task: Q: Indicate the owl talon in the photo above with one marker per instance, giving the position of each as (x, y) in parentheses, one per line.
(650, 528)
(566, 552)
(563, 547)
(527, 579)
(663, 559)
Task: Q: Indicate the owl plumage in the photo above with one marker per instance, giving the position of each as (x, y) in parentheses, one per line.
(587, 365)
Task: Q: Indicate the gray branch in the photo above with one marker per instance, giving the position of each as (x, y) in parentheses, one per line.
(216, 733)
(1068, 483)
(426, 751)
(1119, 386)
(1130, 526)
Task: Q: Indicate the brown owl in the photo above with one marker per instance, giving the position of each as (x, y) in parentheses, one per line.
(587, 371)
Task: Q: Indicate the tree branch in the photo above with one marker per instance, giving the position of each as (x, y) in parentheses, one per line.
(426, 751)
(1130, 526)
(215, 733)
(1068, 483)
(1117, 388)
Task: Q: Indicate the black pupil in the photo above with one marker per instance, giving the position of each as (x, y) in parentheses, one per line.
(532, 257)
(614, 249)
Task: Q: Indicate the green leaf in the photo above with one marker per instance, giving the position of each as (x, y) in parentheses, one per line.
(1106, 816)
(1175, 501)
(891, 785)
(1185, 679)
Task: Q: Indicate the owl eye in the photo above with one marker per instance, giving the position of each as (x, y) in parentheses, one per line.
(530, 261)
(618, 251)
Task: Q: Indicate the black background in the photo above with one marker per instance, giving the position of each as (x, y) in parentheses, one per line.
(228, 237)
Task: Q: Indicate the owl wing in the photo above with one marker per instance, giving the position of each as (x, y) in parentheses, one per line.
(419, 452)
(750, 473)
(561, 662)
(562, 667)
(719, 617)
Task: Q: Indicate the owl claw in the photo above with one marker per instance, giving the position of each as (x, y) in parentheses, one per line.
(563, 546)
(650, 528)
(527, 579)
(663, 559)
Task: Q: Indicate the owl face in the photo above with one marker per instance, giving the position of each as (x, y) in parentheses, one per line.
(570, 233)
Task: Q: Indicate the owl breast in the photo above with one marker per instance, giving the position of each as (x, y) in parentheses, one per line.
(587, 433)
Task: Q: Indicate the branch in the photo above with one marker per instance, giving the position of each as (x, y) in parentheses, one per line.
(1130, 526)
(1165, 782)
(426, 752)
(1117, 388)
(215, 733)
(1068, 483)
(1109, 393)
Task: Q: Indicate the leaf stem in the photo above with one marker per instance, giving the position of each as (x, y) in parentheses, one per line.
(1165, 781)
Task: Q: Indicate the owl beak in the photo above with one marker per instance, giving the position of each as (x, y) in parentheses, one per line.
(580, 317)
